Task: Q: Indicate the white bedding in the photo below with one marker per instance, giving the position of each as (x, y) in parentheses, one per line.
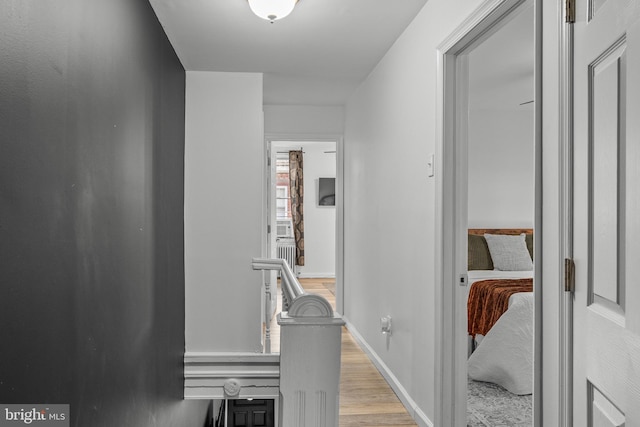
(505, 355)
(475, 275)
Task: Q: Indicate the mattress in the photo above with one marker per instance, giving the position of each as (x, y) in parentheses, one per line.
(505, 355)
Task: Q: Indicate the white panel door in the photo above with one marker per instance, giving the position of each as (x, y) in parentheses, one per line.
(606, 386)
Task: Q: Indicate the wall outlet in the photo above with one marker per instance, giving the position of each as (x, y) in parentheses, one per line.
(385, 325)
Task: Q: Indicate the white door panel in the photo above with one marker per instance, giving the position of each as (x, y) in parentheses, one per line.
(606, 366)
(604, 412)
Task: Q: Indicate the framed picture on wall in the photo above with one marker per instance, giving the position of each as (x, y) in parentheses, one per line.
(326, 191)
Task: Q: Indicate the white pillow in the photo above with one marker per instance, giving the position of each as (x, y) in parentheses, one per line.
(509, 253)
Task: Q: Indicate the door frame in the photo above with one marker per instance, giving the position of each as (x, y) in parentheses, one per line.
(565, 223)
(339, 250)
(451, 205)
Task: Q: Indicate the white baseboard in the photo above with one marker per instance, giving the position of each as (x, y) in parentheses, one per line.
(412, 408)
(316, 275)
(421, 418)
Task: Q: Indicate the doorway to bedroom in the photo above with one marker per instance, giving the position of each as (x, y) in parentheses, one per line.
(489, 208)
(500, 222)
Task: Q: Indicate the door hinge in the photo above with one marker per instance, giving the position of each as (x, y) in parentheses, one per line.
(268, 229)
(570, 11)
(268, 160)
(569, 275)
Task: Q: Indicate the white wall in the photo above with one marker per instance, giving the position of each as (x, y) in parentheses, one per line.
(223, 211)
(501, 168)
(501, 127)
(319, 221)
(389, 202)
(303, 120)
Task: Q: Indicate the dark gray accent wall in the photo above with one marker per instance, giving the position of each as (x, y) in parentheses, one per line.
(91, 213)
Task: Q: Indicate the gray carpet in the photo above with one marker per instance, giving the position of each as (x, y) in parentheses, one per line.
(490, 405)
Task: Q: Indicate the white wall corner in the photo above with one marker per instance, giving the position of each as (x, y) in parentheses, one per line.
(223, 120)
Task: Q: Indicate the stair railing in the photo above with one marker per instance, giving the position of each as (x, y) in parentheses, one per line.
(310, 347)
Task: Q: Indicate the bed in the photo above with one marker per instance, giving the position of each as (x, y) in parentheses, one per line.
(500, 308)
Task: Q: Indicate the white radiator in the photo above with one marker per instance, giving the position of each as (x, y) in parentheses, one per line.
(287, 252)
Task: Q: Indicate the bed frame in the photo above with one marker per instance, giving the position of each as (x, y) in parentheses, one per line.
(510, 231)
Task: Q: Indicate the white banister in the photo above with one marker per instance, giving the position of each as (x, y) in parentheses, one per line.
(291, 288)
(267, 314)
(304, 377)
(310, 346)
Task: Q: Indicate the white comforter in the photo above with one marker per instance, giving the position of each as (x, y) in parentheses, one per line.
(505, 354)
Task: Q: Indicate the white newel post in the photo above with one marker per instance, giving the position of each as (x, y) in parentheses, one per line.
(310, 345)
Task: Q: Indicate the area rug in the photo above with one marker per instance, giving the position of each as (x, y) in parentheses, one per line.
(490, 405)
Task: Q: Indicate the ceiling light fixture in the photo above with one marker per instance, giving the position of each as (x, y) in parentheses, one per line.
(272, 10)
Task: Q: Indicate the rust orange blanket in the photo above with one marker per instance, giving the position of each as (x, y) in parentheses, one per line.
(488, 299)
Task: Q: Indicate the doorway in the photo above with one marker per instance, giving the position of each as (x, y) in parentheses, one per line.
(250, 413)
(322, 207)
(500, 211)
(470, 148)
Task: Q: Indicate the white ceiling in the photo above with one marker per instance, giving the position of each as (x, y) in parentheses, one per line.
(316, 56)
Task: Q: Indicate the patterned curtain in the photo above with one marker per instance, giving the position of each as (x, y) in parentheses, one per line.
(296, 190)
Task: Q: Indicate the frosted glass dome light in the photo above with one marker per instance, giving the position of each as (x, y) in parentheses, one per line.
(272, 10)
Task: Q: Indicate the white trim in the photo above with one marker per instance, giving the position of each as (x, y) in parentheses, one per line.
(340, 206)
(410, 405)
(316, 275)
(538, 223)
(450, 364)
(207, 373)
(565, 409)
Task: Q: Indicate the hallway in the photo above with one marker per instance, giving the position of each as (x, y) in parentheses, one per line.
(365, 397)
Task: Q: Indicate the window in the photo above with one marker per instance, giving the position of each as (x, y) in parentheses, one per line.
(283, 200)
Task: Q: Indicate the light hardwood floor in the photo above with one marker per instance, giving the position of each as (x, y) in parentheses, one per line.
(366, 400)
